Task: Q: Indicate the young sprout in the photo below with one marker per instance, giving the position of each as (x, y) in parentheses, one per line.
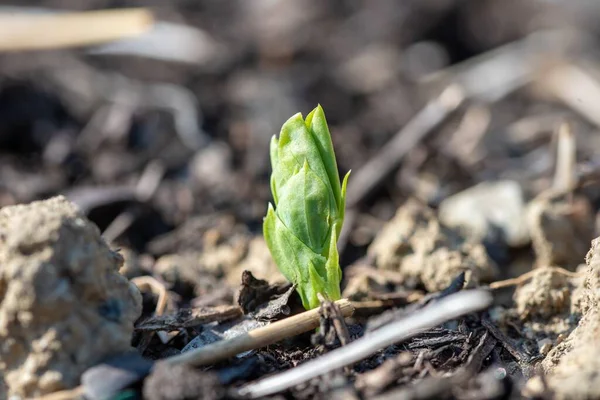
(303, 228)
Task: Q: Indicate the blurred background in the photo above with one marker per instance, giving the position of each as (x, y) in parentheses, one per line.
(156, 121)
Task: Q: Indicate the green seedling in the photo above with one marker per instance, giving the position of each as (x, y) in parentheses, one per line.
(302, 229)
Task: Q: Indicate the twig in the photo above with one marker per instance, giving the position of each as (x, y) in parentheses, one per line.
(68, 394)
(169, 41)
(493, 75)
(465, 143)
(564, 176)
(26, 31)
(519, 280)
(576, 88)
(182, 103)
(256, 338)
(332, 311)
(509, 344)
(479, 354)
(150, 180)
(150, 283)
(145, 188)
(109, 120)
(187, 318)
(434, 387)
(388, 158)
(446, 309)
(120, 224)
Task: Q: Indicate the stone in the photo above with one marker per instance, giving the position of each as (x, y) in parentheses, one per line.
(63, 304)
(486, 207)
(112, 376)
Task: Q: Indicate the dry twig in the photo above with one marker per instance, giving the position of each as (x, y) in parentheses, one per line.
(146, 186)
(388, 158)
(446, 309)
(150, 283)
(576, 88)
(565, 174)
(256, 338)
(187, 318)
(26, 31)
(68, 394)
(519, 280)
(332, 311)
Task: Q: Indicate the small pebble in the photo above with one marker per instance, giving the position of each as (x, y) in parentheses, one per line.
(107, 379)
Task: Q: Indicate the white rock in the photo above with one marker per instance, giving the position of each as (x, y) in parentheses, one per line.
(485, 206)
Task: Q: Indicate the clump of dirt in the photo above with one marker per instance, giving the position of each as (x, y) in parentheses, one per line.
(258, 261)
(198, 273)
(363, 282)
(134, 264)
(548, 293)
(561, 228)
(185, 275)
(425, 252)
(576, 360)
(544, 307)
(182, 382)
(63, 304)
(255, 292)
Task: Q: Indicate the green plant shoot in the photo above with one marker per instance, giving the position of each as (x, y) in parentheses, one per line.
(302, 229)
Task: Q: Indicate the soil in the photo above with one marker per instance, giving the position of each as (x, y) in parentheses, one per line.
(115, 167)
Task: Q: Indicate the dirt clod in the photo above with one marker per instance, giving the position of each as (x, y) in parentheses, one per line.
(181, 382)
(63, 304)
(198, 273)
(577, 358)
(255, 292)
(545, 295)
(258, 261)
(561, 229)
(427, 253)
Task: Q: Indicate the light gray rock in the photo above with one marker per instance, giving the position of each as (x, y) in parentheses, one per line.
(488, 206)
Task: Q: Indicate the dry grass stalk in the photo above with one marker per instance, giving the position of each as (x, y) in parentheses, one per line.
(25, 31)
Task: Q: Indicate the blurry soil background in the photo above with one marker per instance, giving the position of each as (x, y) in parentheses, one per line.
(472, 131)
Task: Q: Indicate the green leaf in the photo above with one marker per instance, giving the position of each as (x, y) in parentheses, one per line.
(274, 162)
(318, 127)
(342, 205)
(304, 208)
(296, 261)
(317, 285)
(296, 145)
